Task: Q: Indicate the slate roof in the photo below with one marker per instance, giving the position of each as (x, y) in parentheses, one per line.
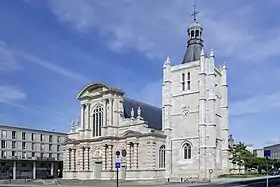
(151, 114)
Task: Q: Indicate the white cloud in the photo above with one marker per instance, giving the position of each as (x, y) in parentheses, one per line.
(255, 104)
(159, 28)
(10, 94)
(55, 68)
(7, 59)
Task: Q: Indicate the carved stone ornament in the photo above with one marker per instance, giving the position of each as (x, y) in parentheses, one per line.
(185, 110)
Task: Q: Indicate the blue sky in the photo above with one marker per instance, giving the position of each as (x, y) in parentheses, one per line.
(50, 49)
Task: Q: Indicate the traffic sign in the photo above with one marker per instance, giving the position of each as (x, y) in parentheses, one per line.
(118, 165)
(118, 159)
(266, 153)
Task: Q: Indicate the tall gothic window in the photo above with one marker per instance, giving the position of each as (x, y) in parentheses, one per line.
(187, 151)
(183, 82)
(162, 157)
(189, 81)
(97, 120)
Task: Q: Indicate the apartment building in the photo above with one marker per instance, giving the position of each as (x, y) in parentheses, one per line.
(30, 153)
(258, 152)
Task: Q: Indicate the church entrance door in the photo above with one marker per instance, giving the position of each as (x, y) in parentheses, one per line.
(123, 172)
(97, 170)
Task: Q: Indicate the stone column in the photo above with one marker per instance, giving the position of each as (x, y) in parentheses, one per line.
(128, 161)
(87, 162)
(105, 113)
(14, 170)
(104, 158)
(149, 155)
(82, 159)
(112, 112)
(135, 155)
(82, 117)
(73, 159)
(51, 168)
(68, 160)
(34, 170)
(88, 116)
(153, 154)
(110, 158)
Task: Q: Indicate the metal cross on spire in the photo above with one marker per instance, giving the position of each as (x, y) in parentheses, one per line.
(194, 12)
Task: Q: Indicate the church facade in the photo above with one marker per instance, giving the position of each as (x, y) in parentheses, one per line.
(186, 138)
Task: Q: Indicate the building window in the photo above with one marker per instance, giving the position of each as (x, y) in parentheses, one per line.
(33, 154)
(33, 146)
(97, 120)
(50, 155)
(42, 155)
(14, 134)
(58, 148)
(13, 153)
(23, 154)
(23, 145)
(50, 138)
(189, 81)
(4, 134)
(23, 135)
(183, 82)
(3, 144)
(50, 147)
(162, 157)
(3, 154)
(42, 147)
(187, 151)
(13, 144)
(42, 138)
(57, 139)
(33, 137)
(58, 156)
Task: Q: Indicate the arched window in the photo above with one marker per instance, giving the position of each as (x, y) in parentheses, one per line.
(197, 33)
(192, 33)
(161, 159)
(187, 148)
(97, 121)
(183, 81)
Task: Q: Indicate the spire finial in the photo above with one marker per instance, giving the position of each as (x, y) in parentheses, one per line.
(194, 12)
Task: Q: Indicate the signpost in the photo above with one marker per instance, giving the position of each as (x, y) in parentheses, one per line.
(118, 165)
(266, 155)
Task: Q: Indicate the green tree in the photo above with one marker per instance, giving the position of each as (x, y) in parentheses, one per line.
(241, 156)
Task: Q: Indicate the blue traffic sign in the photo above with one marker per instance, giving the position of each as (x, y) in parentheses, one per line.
(266, 153)
(118, 165)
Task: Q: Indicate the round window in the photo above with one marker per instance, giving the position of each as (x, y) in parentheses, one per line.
(124, 153)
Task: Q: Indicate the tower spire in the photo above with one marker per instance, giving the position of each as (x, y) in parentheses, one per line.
(195, 42)
(194, 12)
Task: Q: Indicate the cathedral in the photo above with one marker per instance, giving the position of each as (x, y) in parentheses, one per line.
(187, 137)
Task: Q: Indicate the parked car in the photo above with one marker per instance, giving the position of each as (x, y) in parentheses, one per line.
(274, 172)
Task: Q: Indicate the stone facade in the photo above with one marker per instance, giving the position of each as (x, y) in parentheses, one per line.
(189, 140)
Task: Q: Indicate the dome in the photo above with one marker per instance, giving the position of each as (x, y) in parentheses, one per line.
(195, 24)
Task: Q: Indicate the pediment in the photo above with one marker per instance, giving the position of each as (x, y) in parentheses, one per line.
(96, 89)
(131, 133)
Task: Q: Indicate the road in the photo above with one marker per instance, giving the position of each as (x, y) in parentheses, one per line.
(272, 182)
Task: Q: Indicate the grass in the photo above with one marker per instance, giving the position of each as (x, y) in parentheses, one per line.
(248, 175)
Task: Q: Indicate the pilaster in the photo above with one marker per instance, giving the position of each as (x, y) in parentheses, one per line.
(202, 116)
(104, 157)
(87, 161)
(129, 156)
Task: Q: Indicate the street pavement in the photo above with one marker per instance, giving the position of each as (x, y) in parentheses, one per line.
(272, 182)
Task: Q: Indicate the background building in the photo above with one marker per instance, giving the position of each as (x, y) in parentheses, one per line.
(258, 152)
(274, 151)
(30, 153)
